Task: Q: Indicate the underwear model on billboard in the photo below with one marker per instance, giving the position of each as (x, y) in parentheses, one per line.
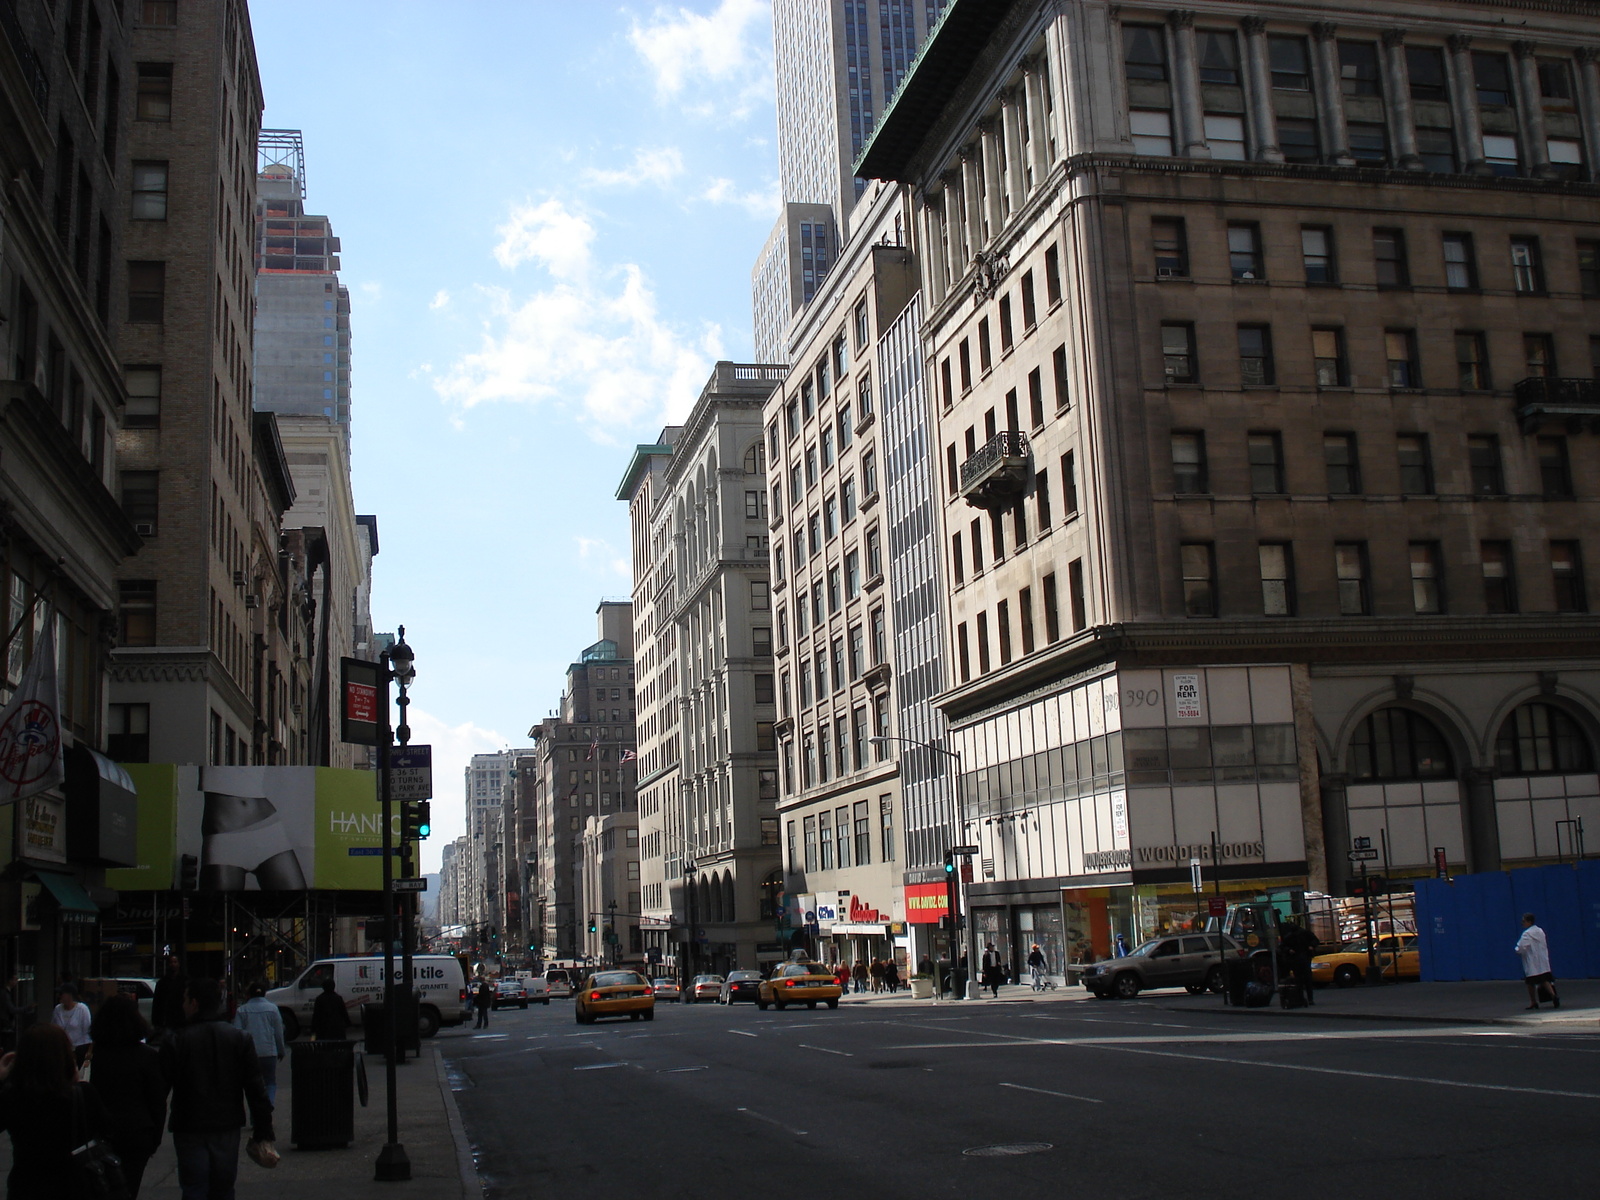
(243, 835)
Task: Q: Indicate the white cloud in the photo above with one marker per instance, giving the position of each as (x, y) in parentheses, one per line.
(762, 203)
(716, 63)
(593, 338)
(453, 748)
(372, 289)
(548, 233)
(658, 166)
(602, 551)
(440, 299)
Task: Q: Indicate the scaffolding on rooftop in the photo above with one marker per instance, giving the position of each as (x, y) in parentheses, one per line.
(282, 148)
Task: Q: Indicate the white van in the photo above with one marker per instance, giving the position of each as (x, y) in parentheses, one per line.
(441, 984)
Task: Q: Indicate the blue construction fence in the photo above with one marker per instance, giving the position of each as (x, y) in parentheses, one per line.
(1467, 926)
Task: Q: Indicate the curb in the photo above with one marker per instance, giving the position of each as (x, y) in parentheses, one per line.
(466, 1168)
(1405, 1018)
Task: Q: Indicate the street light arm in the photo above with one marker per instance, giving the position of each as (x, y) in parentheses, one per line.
(888, 737)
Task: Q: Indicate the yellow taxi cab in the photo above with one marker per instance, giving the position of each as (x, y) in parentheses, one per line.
(615, 994)
(805, 983)
(1398, 958)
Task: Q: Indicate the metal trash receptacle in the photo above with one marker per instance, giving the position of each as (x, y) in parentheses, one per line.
(322, 1079)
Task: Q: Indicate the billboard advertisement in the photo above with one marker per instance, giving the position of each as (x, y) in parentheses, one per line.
(256, 828)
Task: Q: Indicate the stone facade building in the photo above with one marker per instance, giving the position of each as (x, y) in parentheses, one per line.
(1260, 343)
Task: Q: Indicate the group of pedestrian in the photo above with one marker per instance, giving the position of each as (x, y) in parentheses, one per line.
(112, 1077)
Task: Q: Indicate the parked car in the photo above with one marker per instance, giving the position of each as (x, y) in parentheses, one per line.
(1189, 960)
(740, 985)
(509, 993)
(799, 983)
(1398, 958)
(666, 989)
(560, 981)
(615, 994)
(705, 987)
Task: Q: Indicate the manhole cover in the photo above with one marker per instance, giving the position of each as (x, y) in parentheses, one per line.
(1008, 1150)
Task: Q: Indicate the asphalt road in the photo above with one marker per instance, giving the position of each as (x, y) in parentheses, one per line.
(1117, 1099)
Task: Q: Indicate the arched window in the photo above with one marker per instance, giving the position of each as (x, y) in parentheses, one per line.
(1396, 743)
(755, 459)
(771, 889)
(1541, 739)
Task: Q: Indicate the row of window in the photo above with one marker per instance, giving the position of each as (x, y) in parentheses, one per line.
(1004, 649)
(1003, 314)
(1496, 576)
(1457, 265)
(1330, 364)
(1341, 458)
(1426, 76)
(847, 829)
(834, 751)
(851, 657)
(1043, 510)
(1396, 744)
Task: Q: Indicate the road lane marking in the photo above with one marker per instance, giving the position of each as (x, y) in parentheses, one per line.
(771, 1121)
(825, 1050)
(743, 1032)
(1047, 1092)
(680, 1070)
(600, 1066)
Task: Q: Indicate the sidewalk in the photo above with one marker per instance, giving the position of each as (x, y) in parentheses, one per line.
(430, 1131)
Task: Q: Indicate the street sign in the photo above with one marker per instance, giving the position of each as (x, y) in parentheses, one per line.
(1441, 863)
(966, 871)
(1217, 906)
(1363, 855)
(411, 773)
(359, 682)
(1194, 875)
(410, 885)
(1362, 843)
(958, 850)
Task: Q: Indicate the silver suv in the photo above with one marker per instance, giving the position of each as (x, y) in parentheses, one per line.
(1186, 960)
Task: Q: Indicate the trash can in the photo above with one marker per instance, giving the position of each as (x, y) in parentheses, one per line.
(322, 1075)
(375, 1026)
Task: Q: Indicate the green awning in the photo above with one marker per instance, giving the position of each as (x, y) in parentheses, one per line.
(69, 896)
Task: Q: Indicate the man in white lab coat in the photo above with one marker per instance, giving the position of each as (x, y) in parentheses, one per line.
(1534, 951)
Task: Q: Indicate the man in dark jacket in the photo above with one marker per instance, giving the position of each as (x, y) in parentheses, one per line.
(214, 1074)
(166, 1007)
(330, 1019)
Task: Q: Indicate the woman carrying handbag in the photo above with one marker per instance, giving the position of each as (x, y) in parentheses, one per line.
(57, 1125)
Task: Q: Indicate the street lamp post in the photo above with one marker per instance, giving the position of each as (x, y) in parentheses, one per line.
(974, 987)
(686, 975)
(395, 665)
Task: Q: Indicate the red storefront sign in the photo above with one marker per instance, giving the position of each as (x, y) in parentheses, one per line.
(925, 903)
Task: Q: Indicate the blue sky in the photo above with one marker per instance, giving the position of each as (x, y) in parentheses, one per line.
(549, 210)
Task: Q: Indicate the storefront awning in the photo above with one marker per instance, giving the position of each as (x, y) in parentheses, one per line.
(69, 896)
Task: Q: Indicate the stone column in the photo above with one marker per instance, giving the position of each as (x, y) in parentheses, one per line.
(1330, 103)
(1588, 65)
(1397, 82)
(1038, 137)
(1189, 132)
(1016, 172)
(933, 249)
(956, 257)
(1464, 102)
(973, 192)
(1530, 110)
(1263, 121)
(1480, 820)
(1336, 830)
(993, 183)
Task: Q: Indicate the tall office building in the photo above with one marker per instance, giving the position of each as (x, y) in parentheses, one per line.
(1263, 435)
(837, 62)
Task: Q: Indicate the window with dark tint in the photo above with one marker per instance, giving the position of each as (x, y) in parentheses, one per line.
(1255, 354)
(1483, 457)
(1425, 71)
(1472, 362)
(1144, 52)
(1327, 352)
(1389, 252)
(1266, 463)
(1350, 570)
(1171, 247)
(1189, 464)
(147, 291)
(1460, 264)
(1177, 352)
(1589, 267)
(1277, 579)
(1491, 74)
(1539, 356)
(154, 100)
(1244, 251)
(1541, 739)
(1298, 141)
(1219, 57)
(1566, 574)
(1527, 271)
(1398, 744)
(136, 612)
(1290, 64)
(149, 191)
(1344, 472)
(1416, 466)
(1368, 141)
(1400, 353)
(128, 733)
(140, 493)
(1199, 580)
(1499, 581)
(1052, 276)
(144, 398)
(1316, 251)
(1437, 149)
(1426, 594)
(1358, 68)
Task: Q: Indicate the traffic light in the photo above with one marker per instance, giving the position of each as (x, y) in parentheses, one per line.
(188, 873)
(591, 925)
(424, 818)
(415, 821)
(949, 863)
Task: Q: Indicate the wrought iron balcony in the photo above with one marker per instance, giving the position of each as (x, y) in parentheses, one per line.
(1573, 404)
(997, 472)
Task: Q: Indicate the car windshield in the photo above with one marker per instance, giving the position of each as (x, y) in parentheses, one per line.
(617, 979)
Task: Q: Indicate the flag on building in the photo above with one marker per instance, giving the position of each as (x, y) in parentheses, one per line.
(30, 725)
(627, 756)
(594, 745)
